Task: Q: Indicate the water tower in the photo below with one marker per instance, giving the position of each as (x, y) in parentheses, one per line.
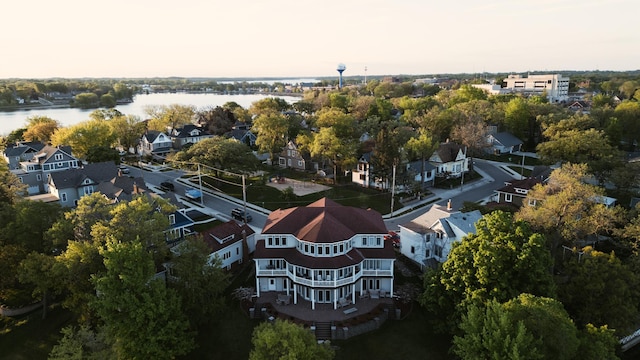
(341, 68)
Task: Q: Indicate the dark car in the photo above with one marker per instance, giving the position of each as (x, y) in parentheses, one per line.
(167, 186)
(238, 214)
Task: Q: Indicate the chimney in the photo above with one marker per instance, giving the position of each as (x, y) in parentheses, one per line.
(449, 208)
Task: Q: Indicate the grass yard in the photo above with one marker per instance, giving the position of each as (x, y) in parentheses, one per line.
(272, 199)
(518, 169)
(29, 337)
(410, 338)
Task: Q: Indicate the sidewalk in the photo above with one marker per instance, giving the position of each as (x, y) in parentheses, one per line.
(441, 194)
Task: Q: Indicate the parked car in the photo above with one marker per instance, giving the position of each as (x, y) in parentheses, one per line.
(193, 194)
(238, 214)
(124, 168)
(394, 238)
(167, 186)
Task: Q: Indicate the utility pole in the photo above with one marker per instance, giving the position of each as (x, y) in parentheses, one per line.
(393, 187)
(244, 198)
(463, 163)
(200, 183)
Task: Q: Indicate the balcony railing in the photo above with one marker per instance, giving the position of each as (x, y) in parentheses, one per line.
(308, 281)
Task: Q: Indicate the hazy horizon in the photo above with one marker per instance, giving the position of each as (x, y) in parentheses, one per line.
(289, 39)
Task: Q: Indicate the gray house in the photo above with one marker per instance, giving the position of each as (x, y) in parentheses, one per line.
(188, 134)
(155, 143)
(35, 172)
(503, 143)
(14, 154)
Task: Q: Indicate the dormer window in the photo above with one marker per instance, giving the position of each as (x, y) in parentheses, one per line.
(58, 157)
(172, 219)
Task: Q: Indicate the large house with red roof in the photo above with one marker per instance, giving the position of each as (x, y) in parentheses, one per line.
(324, 253)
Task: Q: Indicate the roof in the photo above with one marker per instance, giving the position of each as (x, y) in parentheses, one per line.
(213, 236)
(185, 131)
(423, 223)
(23, 147)
(464, 221)
(416, 166)
(448, 151)
(525, 184)
(324, 221)
(122, 187)
(48, 151)
(507, 139)
(151, 135)
(73, 178)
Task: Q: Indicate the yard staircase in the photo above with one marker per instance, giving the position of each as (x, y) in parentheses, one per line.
(323, 330)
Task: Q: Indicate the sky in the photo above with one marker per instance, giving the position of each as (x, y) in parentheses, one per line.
(302, 38)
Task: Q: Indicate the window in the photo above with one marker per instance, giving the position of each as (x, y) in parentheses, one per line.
(341, 248)
(378, 241)
(413, 250)
(172, 219)
(38, 177)
(270, 241)
(327, 249)
(508, 197)
(88, 190)
(277, 241)
(438, 251)
(313, 249)
(21, 179)
(284, 241)
(306, 248)
(335, 249)
(237, 251)
(364, 241)
(532, 202)
(63, 197)
(299, 163)
(58, 157)
(320, 250)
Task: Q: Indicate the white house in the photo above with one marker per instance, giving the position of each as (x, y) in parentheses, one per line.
(555, 86)
(324, 253)
(228, 242)
(427, 239)
(450, 160)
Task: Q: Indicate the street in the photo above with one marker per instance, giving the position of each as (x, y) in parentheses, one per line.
(493, 178)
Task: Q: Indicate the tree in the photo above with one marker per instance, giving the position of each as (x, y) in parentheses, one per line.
(547, 321)
(218, 120)
(600, 290)
(628, 113)
(40, 128)
(285, 340)
(105, 114)
(423, 146)
(102, 153)
(598, 343)
(328, 145)
(568, 209)
(141, 219)
(41, 271)
(81, 343)
(269, 105)
(170, 116)
(142, 318)
(590, 147)
(502, 260)
(10, 186)
(490, 333)
(108, 101)
(84, 136)
(271, 129)
(220, 153)
(199, 282)
(127, 130)
(86, 100)
(472, 134)
(29, 223)
(517, 115)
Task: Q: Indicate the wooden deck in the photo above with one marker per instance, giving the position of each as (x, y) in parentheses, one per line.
(323, 312)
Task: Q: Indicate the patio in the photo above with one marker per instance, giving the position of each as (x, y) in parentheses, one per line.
(322, 312)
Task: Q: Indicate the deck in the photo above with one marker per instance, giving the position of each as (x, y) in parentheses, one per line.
(322, 312)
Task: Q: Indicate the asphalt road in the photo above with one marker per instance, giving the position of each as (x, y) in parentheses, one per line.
(222, 207)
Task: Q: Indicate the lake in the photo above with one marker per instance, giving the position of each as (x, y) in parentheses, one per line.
(12, 120)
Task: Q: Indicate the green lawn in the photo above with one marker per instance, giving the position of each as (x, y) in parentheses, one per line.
(520, 170)
(29, 337)
(271, 198)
